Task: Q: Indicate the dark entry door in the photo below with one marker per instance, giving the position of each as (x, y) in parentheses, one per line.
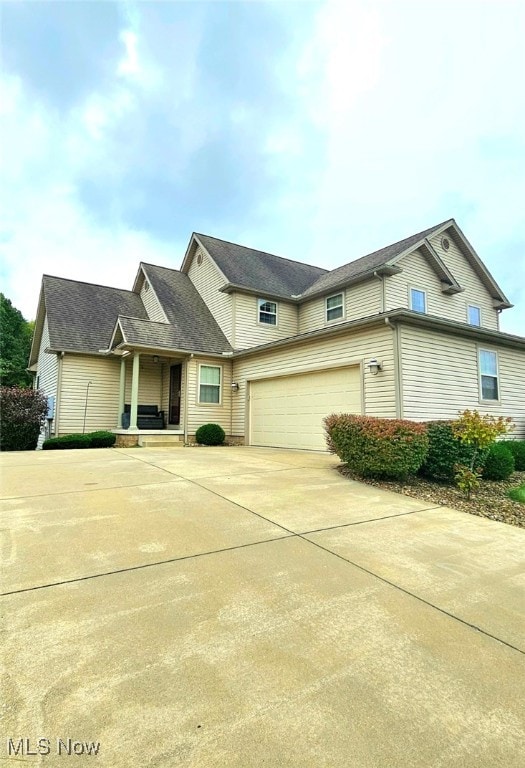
(175, 382)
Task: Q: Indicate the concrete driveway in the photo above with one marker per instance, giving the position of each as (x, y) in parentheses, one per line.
(245, 607)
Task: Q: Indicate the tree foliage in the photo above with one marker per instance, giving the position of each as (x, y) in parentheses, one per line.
(22, 416)
(15, 345)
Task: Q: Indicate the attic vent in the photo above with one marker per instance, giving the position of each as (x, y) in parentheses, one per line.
(199, 258)
(445, 242)
(146, 286)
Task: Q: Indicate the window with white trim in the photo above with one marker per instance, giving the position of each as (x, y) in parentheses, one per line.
(209, 384)
(334, 307)
(488, 374)
(267, 312)
(473, 315)
(418, 300)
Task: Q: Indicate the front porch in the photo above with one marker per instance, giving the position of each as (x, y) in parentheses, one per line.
(151, 384)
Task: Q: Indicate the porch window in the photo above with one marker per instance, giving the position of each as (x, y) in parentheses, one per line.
(488, 374)
(209, 384)
(267, 312)
(334, 307)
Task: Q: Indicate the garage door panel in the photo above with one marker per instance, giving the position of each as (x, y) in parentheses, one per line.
(289, 412)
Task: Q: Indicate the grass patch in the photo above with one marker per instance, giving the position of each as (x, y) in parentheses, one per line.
(517, 494)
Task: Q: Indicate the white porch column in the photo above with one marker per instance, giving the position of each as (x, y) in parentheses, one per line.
(134, 391)
(122, 391)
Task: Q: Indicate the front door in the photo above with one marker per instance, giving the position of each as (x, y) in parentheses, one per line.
(175, 382)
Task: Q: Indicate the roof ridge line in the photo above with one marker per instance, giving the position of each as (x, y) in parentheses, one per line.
(86, 282)
(257, 250)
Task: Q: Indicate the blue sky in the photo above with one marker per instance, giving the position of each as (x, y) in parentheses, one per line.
(317, 131)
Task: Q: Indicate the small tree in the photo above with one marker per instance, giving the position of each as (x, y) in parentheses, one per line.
(479, 432)
(22, 415)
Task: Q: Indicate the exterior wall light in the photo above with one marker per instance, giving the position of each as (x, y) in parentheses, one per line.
(234, 386)
(374, 366)
(155, 358)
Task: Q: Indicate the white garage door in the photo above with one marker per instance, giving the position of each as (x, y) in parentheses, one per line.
(288, 412)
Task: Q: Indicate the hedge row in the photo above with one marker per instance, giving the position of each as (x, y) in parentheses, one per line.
(100, 439)
(374, 447)
(395, 448)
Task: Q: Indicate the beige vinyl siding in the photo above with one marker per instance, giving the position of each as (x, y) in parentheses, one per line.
(249, 332)
(440, 377)
(350, 348)
(474, 293)
(199, 413)
(102, 408)
(151, 303)
(150, 381)
(47, 367)
(417, 273)
(207, 279)
(361, 300)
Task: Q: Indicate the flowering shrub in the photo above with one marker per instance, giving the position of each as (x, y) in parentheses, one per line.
(480, 431)
(373, 447)
(22, 415)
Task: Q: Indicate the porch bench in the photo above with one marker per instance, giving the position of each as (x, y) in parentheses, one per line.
(148, 417)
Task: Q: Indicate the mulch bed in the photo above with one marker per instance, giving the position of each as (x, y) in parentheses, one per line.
(490, 500)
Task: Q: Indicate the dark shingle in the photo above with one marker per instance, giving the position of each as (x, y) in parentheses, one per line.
(258, 270)
(82, 316)
(194, 327)
(366, 263)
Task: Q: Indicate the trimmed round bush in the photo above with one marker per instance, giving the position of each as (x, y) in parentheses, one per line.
(445, 450)
(373, 447)
(517, 448)
(499, 464)
(210, 434)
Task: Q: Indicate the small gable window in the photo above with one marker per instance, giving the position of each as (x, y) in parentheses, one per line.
(209, 384)
(488, 374)
(418, 300)
(334, 307)
(474, 315)
(267, 312)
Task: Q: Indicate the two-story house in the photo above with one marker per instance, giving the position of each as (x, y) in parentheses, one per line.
(267, 347)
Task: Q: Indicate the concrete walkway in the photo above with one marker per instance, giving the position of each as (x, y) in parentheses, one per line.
(242, 607)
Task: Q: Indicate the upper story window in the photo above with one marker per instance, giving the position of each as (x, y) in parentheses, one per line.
(418, 300)
(267, 312)
(488, 374)
(334, 307)
(209, 384)
(473, 315)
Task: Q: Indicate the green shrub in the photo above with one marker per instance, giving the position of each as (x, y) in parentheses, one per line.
(102, 439)
(517, 448)
(210, 434)
(67, 441)
(373, 447)
(499, 464)
(445, 451)
(22, 416)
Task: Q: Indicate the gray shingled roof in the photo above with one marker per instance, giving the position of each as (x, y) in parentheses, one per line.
(194, 327)
(81, 316)
(258, 270)
(367, 263)
(150, 333)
